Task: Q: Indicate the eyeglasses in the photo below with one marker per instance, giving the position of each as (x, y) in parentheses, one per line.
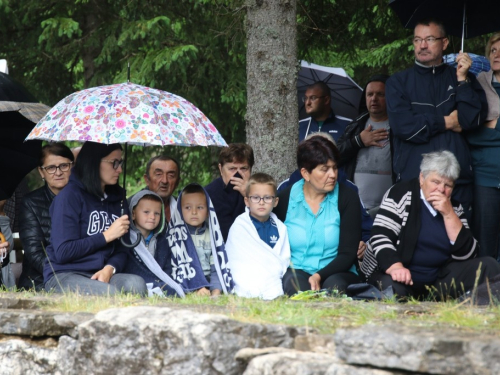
(428, 40)
(51, 169)
(312, 98)
(116, 163)
(257, 199)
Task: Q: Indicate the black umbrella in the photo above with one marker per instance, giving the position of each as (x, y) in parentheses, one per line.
(345, 93)
(13, 91)
(19, 111)
(463, 18)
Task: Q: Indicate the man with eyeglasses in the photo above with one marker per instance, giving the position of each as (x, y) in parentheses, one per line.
(321, 117)
(430, 104)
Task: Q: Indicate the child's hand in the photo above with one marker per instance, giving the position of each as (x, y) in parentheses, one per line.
(203, 292)
(215, 292)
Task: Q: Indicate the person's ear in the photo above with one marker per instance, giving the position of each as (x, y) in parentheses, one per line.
(421, 178)
(146, 179)
(220, 168)
(445, 43)
(247, 203)
(304, 173)
(276, 200)
(41, 173)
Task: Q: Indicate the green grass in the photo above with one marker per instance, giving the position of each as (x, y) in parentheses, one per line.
(324, 315)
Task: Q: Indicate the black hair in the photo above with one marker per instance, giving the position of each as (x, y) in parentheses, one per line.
(57, 149)
(325, 89)
(314, 151)
(193, 188)
(87, 167)
(362, 101)
(162, 158)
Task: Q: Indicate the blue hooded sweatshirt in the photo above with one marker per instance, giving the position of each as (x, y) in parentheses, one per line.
(78, 221)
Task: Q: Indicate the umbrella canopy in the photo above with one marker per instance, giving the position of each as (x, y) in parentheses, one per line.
(127, 113)
(463, 18)
(17, 158)
(479, 63)
(19, 111)
(345, 93)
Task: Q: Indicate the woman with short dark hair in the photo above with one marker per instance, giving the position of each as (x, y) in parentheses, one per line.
(54, 166)
(85, 254)
(323, 222)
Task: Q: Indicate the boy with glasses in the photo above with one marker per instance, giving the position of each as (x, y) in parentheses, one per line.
(258, 242)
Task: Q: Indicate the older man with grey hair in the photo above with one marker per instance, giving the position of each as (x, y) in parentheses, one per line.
(420, 242)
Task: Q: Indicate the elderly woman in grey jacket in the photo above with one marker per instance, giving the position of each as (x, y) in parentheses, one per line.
(485, 150)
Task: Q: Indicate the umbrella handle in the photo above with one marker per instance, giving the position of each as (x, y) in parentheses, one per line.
(130, 245)
(139, 235)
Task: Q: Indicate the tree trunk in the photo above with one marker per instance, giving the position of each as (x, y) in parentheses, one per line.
(272, 66)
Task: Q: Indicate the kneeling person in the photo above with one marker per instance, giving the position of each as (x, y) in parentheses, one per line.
(421, 241)
(257, 245)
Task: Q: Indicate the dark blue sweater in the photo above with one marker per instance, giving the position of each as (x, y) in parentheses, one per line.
(433, 248)
(228, 204)
(78, 220)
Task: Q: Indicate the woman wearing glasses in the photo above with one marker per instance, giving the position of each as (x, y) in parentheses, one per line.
(85, 254)
(54, 166)
(323, 221)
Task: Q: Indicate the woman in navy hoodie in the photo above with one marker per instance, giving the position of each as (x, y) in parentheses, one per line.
(85, 254)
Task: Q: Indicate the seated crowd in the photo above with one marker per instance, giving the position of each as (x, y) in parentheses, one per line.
(78, 235)
(245, 235)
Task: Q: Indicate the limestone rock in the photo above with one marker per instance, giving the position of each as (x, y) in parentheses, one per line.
(290, 363)
(159, 340)
(21, 358)
(40, 323)
(433, 351)
(340, 369)
(247, 354)
(315, 343)
(66, 355)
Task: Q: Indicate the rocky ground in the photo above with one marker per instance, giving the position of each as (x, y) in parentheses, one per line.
(182, 339)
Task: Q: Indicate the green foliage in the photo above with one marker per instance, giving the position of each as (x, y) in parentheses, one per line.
(193, 48)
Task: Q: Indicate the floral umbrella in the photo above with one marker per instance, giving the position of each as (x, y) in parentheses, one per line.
(127, 113)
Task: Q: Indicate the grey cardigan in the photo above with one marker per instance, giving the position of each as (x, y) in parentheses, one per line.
(492, 98)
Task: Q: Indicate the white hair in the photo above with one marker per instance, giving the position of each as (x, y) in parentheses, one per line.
(443, 163)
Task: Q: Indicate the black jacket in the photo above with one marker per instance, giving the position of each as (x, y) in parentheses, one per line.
(34, 231)
(350, 143)
(417, 101)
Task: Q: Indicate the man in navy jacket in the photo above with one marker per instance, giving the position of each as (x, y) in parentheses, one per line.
(430, 105)
(322, 119)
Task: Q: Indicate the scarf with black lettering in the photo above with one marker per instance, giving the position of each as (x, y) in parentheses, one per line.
(185, 265)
